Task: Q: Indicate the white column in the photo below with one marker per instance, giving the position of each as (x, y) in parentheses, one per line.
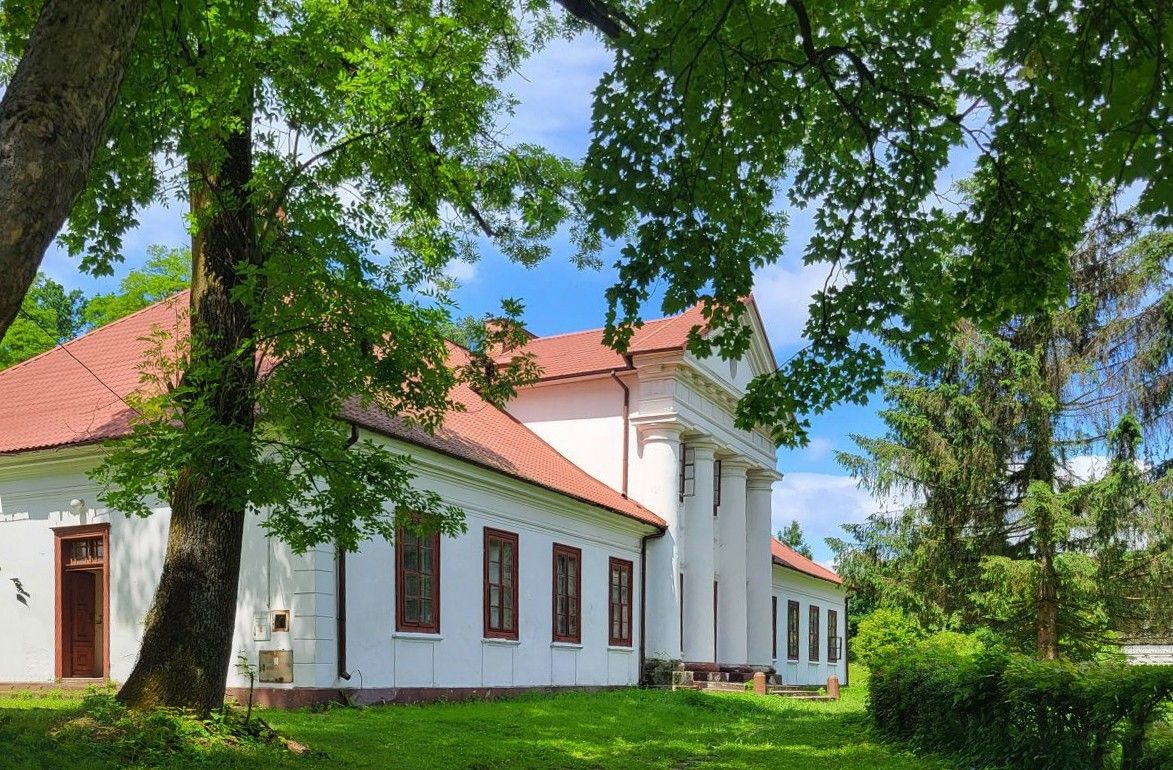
(660, 472)
(758, 565)
(731, 608)
(697, 556)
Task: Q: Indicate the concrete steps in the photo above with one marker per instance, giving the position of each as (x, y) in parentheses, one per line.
(741, 681)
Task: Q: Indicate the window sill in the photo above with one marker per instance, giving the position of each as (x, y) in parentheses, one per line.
(567, 645)
(620, 648)
(423, 636)
(502, 642)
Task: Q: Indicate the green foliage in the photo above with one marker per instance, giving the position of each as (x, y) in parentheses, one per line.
(883, 633)
(999, 525)
(166, 272)
(160, 737)
(998, 709)
(48, 315)
(365, 139)
(1008, 602)
(715, 112)
(793, 537)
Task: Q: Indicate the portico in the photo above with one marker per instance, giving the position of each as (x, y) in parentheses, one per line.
(716, 612)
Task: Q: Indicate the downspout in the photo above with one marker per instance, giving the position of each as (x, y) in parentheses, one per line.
(846, 636)
(626, 424)
(643, 597)
(340, 587)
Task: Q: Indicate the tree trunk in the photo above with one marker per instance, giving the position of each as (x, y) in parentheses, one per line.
(187, 642)
(1047, 607)
(52, 118)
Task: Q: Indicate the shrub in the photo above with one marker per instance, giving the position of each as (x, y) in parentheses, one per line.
(1000, 709)
(883, 633)
(159, 736)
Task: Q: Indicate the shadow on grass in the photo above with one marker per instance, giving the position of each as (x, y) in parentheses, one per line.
(30, 738)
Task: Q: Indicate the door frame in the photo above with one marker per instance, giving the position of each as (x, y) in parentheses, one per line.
(62, 537)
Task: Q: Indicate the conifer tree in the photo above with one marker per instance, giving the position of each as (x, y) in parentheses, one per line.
(1008, 526)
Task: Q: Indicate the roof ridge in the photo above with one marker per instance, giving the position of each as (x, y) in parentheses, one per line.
(644, 322)
(63, 345)
(665, 327)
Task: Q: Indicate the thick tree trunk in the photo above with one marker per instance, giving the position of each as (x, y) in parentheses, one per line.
(187, 642)
(51, 120)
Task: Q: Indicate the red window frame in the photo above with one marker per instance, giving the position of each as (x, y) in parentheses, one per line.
(499, 630)
(813, 651)
(792, 618)
(774, 625)
(401, 580)
(832, 636)
(570, 599)
(619, 602)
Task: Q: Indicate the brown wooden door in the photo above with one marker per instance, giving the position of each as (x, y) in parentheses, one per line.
(82, 627)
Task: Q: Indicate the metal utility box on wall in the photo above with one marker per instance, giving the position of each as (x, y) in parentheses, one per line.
(276, 666)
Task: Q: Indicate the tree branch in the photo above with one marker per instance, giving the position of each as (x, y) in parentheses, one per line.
(611, 21)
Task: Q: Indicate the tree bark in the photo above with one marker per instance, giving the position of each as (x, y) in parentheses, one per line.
(52, 118)
(187, 642)
(1047, 617)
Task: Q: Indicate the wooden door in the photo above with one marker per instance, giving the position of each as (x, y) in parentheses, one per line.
(80, 595)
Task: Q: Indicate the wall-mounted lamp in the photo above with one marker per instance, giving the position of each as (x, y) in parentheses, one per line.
(77, 505)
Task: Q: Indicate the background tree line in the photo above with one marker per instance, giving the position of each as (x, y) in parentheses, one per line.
(1037, 464)
(50, 315)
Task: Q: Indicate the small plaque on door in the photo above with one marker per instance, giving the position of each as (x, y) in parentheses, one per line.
(275, 666)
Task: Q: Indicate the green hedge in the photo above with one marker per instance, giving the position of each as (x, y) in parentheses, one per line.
(1001, 710)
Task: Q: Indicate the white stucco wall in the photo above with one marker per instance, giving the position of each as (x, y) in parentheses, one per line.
(459, 656)
(582, 419)
(1148, 654)
(789, 585)
(33, 496)
(35, 492)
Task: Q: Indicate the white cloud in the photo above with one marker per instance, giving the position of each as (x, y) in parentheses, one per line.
(555, 92)
(783, 294)
(818, 449)
(822, 503)
(461, 271)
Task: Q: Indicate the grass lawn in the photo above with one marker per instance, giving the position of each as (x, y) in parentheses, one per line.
(619, 729)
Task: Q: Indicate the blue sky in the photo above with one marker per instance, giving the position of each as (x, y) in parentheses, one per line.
(554, 89)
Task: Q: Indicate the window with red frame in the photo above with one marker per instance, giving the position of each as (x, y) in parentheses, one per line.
(813, 631)
(791, 630)
(500, 584)
(567, 591)
(417, 582)
(619, 602)
(774, 624)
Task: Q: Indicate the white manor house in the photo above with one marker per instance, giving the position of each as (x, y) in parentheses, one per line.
(616, 520)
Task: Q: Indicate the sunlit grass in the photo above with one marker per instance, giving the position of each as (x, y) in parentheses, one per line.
(617, 729)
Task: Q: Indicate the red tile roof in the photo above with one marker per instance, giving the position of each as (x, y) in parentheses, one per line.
(580, 353)
(786, 556)
(73, 395)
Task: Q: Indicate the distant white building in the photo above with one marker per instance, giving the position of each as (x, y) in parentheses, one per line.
(1149, 650)
(615, 517)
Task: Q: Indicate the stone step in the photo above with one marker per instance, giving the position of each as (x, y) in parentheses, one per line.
(814, 697)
